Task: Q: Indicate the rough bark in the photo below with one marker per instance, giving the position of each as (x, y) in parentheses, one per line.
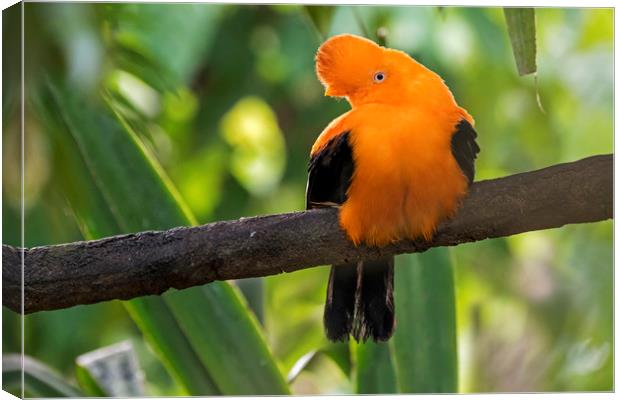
(149, 263)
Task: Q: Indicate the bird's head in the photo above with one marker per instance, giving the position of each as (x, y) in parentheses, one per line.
(361, 71)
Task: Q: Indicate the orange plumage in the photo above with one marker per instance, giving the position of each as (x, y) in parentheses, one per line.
(396, 164)
(406, 179)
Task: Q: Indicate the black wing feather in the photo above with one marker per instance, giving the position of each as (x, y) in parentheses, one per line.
(329, 177)
(465, 149)
(329, 173)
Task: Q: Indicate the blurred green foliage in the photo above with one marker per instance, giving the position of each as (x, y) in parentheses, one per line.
(224, 100)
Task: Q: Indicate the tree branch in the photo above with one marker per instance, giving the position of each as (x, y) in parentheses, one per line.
(147, 263)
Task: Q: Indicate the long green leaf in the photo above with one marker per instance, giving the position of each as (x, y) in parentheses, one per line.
(233, 349)
(141, 197)
(340, 353)
(151, 314)
(39, 379)
(88, 383)
(96, 219)
(522, 31)
(375, 371)
(238, 325)
(253, 290)
(424, 344)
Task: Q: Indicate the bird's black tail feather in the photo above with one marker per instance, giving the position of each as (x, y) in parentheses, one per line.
(375, 312)
(360, 301)
(340, 302)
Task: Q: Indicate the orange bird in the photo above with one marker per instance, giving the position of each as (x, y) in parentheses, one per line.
(395, 165)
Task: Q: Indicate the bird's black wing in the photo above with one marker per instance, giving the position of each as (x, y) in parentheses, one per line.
(329, 173)
(465, 149)
(329, 177)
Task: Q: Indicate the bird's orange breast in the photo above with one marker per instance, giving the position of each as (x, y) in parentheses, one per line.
(405, 178)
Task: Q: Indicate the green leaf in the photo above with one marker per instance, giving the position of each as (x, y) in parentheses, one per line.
(66, 121)
(141, 197)
(522, 31)
(236, 325)
(375, 372)
(230, 347)
(159, 327)
(424, 344)
(340, 353)
(252, 290)
(88, 384)
(321, 17)
(39, 379)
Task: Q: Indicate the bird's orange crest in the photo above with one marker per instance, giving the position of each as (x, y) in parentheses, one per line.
(361, 71)
(338, 63)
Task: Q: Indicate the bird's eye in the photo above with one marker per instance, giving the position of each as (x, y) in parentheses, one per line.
(379, 77)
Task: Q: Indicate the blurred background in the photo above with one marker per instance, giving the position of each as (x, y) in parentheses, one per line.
(223, 104)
